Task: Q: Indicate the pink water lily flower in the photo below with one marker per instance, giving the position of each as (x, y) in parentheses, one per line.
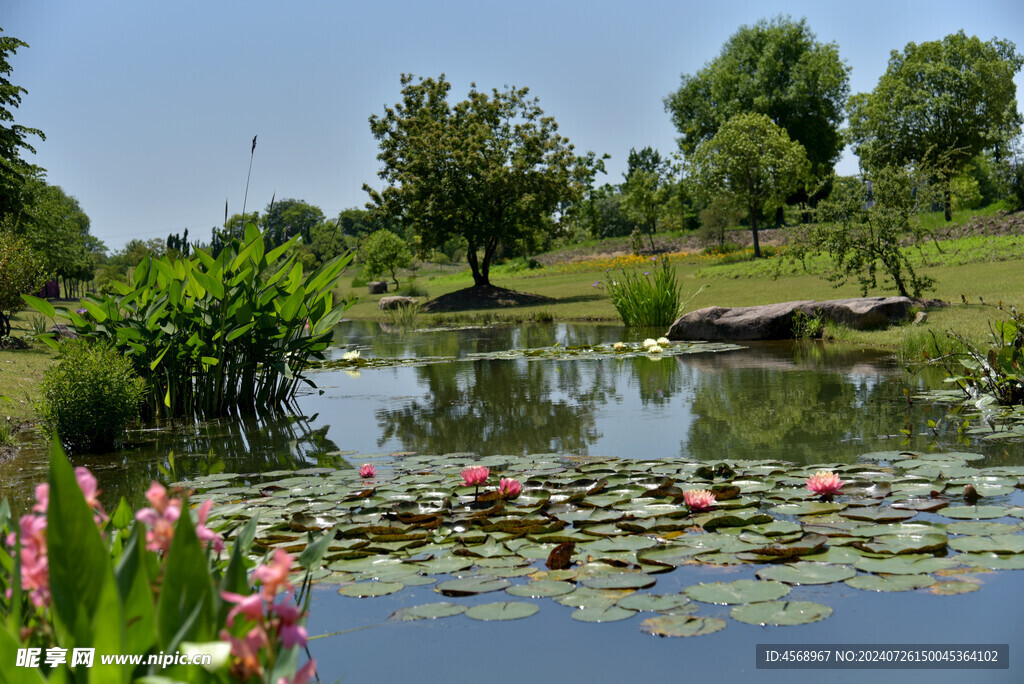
(824, 483)
(367, 470)
(509, 488)
(476, 475)
(699, 499)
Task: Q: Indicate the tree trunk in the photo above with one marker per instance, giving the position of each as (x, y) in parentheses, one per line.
(947, 199)
(479, 278)
(753, 230)
(5, 325)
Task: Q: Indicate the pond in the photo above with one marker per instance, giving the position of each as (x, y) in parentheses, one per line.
(454, 392)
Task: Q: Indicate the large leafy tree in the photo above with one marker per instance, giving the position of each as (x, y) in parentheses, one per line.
(385, 251)
(951, 98)
(491, 168)
(751, 164)
(22, 271)
(776, 68)
(55, 224)
(287, 218)
(14, 171)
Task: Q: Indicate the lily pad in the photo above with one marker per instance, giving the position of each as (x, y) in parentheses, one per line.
(805, 572)
(625, 580)
(541, 589)
(993, 561)
(429, 611)
(664, 603)
(953, 587)
(890, 583)
(974, 512)
(807, 508)
(780, 613)
(681, 625)
(997, 543)
(368, 589)
(902, 565)
(502, 610)
(602, 614)
(881, 514)
(739, 591)
(469, 586)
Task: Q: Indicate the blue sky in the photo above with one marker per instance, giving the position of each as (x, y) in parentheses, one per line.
(149, 109)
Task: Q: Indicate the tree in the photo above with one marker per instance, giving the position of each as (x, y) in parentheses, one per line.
(645, 192)
(14, 171)
(286, 218)
(22, 271)
(954, 97)
(57, 228)
(750, 163)
(385, 251)
(489, 168)
(861, 227)
(776, 68)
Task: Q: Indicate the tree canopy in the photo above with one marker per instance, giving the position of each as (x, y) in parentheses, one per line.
(776, 68)
(286, 218)
(22, 271)
(490, 168)
(750, 163)
(385, 251)
(954, 97)
(14, 171)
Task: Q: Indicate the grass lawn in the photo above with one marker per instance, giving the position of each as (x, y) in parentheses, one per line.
(21, 372)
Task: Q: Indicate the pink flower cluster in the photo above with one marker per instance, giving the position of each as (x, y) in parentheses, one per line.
(162, 515)
(35, 566)
(270, 614)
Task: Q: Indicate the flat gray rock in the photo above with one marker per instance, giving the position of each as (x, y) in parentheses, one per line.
(775, 321)
(377, 286)
(394, 302)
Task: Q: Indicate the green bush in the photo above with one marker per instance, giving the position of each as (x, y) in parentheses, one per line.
(90, 395)
(411, 289)
(649, 299)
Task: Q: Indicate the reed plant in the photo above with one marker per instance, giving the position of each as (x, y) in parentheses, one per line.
(215, 336)
(647, 299)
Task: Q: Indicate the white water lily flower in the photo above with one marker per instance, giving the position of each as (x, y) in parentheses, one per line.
(618, 346)
(350, 356)
(663, 341)
(650, 342)
(654, 349)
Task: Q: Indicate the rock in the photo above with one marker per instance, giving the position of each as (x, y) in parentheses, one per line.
(775, 321)
(377, 286)
(62, 331)
(387, 303)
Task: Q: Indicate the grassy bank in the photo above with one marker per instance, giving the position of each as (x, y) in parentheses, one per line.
(21, 372)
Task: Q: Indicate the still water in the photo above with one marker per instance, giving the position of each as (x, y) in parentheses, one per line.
(801, 402)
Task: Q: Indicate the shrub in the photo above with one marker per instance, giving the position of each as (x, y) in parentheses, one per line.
(649, 299)
(21, 272)
(806, 326)
(385, 252)
(90, 395)
(153, 583)
(214, 336)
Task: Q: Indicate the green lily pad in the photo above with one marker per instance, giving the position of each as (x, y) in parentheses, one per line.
(469, 586)
(807, 508)
(602, 614)
(974, 512)
(502, 610)
(927, 542)
(890, 583)
(664, 603)
(584, 597)
(541, 589)
(625, 580)
(805, 572)
(681, 625)
(780, 613)
(902, 565)
(368, 589)
(881, 514)
(739, 591)
(984, 528)
(997, 543)
(429, 611)
(993, 561)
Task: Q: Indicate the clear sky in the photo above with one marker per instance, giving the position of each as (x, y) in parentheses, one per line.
(149, 108)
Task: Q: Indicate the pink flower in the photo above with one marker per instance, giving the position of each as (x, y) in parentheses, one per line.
(275, 575)
(824, 483)
(160, 518)
(302, 675)
(246, 653)
(509, 488)
(250, 606)
(367, 470)
(476, 475)
(35, 568)
(42, 497)
(290, 631)
(87, 482)
(699, 499)
(205, 534)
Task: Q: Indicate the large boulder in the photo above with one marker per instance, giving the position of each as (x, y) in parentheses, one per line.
(377, 286)
(395, 302)
(775, 321)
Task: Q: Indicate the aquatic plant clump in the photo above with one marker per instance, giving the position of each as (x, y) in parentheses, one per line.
(647, 299)
(214, 336)
(596, 534)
